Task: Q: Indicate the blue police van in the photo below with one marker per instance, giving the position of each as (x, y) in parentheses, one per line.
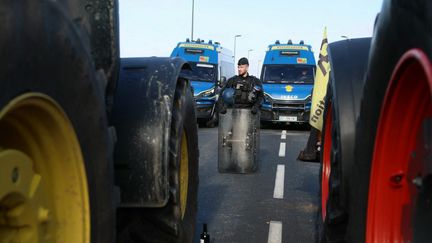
(211, 64)
(288, 78)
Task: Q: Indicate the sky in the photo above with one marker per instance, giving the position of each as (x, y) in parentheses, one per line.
(154, 27)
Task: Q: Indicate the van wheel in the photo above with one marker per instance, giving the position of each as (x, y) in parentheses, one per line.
(213, 121)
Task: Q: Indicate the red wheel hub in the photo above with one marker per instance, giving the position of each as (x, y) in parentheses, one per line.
(399, 157)
(325, 174)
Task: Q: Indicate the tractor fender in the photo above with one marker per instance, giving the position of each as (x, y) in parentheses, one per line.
(142, 114)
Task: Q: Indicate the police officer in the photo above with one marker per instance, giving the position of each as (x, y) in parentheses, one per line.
(244, 90)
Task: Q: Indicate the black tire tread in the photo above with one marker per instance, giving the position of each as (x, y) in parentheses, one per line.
(164, 224)
(348, 64)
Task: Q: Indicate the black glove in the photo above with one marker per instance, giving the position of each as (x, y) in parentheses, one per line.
(254, 110)
(223, 110)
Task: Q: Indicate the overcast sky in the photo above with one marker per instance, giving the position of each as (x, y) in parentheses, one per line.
(154, 27)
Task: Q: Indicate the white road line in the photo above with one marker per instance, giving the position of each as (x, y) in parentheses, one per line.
(275, 232)
(283, 136)
(279, 182)
(282, 150)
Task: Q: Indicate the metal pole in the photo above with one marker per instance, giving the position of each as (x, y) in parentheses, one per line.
(193, 7)
(235, 38)
(249, 52)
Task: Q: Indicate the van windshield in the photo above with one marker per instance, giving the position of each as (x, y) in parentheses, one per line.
(203, 71)
(289, 74)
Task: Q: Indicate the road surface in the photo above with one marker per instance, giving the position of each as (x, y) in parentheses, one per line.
(277, 204)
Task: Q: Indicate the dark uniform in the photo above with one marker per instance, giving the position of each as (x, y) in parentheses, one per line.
(238, 132)
(248, 93)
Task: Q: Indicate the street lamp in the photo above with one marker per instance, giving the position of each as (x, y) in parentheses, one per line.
(249, 52)
(345, 37)
(193, 8)
(235, 38)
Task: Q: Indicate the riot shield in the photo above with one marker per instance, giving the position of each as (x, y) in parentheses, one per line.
(238, 141)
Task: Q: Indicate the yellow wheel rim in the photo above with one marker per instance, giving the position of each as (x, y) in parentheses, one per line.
(43, 185)
(184, 174)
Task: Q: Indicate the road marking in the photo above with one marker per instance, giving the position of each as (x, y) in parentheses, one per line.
(279, 182)
(283, 136)
(275, 232)
(282, 150)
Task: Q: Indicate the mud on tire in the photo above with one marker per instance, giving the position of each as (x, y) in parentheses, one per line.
(170, 223)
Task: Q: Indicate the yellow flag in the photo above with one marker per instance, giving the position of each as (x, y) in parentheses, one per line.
(320, 87)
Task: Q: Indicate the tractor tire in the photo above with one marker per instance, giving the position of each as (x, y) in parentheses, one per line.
(54, 128)
(325, 166)
(176, 221)
(348, 61)
(400, 27)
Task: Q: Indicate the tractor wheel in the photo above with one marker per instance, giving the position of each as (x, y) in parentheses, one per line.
(392, 163)
(348, 64)
(55, 146)
(175, 222)
(325, 166)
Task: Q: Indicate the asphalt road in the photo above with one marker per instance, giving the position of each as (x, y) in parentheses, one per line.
(242, 208)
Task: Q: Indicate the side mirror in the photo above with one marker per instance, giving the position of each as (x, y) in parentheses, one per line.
(222, 81)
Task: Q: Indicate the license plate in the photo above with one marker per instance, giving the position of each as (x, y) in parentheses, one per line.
(288, 118)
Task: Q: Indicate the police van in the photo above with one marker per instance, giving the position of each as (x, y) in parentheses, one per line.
(211, 64)
(288, 78)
